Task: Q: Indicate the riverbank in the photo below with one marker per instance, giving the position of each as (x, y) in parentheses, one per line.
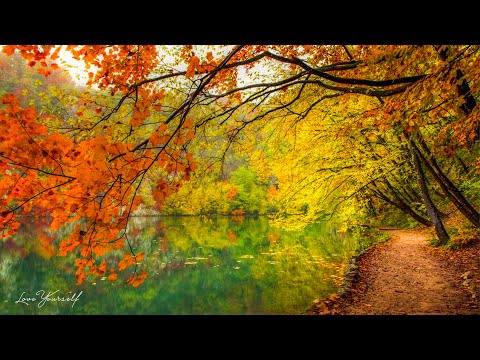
(406, 276)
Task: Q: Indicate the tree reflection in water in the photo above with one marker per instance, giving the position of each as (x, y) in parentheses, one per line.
(196, 266)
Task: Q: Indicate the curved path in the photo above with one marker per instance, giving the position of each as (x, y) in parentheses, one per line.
(405, 276)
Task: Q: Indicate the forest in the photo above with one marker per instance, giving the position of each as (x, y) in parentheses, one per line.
(95, 138)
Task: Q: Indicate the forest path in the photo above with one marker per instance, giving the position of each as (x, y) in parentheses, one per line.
(406, 276)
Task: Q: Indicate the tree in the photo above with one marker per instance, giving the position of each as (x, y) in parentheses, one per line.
(248, 193)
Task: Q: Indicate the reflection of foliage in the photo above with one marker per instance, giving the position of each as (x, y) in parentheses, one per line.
(197, 266)
(296, 263)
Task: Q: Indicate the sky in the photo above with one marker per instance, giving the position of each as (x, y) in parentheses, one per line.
(75, 68)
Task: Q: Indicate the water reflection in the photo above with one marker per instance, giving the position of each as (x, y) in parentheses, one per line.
(196, 266)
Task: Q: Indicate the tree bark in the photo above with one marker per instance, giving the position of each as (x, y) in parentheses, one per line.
(464, 166)
(400, 204)
(405, 207)
(448, 188)
(407, 191)
(429, 205)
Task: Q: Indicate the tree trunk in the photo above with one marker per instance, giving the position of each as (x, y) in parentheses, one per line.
(464, 166)
(400, 204)
(429, 205)
(407, 191)
(405, 207)
(448, 188)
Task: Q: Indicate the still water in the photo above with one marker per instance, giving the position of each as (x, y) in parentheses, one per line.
(196, 266)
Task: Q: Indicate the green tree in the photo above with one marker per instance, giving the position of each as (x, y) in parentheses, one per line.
(251, 193)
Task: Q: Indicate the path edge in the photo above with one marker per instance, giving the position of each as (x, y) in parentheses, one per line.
(351, 275)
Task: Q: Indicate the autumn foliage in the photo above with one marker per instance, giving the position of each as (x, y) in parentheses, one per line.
(77, 180)
(91, 173)
(92, 182)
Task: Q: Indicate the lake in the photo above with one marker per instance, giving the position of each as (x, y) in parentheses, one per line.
(196, 265)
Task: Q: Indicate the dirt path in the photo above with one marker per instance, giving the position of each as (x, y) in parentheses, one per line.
(405, 276)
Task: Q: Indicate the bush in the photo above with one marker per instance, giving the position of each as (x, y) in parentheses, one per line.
(366, 237)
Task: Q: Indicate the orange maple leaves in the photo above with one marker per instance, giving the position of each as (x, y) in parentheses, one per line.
(129, 259)
(194, 66)
(137, 279)
(34, 55)
(232, 194)
(91, 182)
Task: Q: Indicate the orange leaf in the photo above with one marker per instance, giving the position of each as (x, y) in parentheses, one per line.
(126, 261)
(190, 135)
(136, 120)
(139, 279)
(102, 267)
(130, 279)
(8, 49)
(158, 195)
(188, 123)
(118, 244)
(80, 278)
(194, 63)
(180, 141)
(155, 138)
(162, 128)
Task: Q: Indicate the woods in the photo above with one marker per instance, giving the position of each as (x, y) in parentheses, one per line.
(347, 133)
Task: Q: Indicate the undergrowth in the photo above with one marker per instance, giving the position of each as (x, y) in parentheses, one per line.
(367, 237)
(461, 232)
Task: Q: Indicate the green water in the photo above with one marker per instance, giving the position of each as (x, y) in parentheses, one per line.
(195, 265)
